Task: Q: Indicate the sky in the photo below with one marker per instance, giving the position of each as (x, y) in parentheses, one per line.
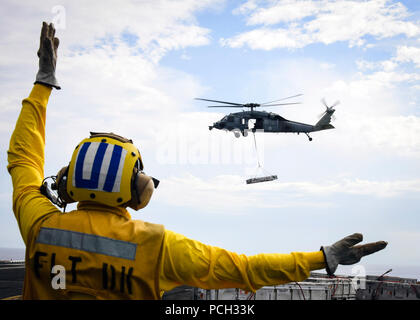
(135, 67)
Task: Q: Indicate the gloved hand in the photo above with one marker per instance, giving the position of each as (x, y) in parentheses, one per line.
(345, 252)
(47, 54)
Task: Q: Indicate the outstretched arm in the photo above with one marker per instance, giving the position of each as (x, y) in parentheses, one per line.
(26, 149)
(189, 262)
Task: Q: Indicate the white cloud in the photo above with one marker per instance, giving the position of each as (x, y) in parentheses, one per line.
(403, 54)
(324, 21)
(386, 65)
(396, 135)
(227, 194)
(155, 26)
(285, 11)
(268, 39)
(408, 54)
(366, 65)
(246, 7)
(369, 118)
(230, 194)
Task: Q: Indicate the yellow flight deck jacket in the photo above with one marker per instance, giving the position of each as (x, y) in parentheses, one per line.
(107, 255)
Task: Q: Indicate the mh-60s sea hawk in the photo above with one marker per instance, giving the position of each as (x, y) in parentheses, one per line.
(238, 122)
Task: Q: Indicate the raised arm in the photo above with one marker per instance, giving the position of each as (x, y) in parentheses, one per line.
(26, 149)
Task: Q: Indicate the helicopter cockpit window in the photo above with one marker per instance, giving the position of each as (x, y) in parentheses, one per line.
(230, 119)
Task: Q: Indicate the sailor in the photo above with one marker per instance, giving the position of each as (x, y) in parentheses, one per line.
(103, 252)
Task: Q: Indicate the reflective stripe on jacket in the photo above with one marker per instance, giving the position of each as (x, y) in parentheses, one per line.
(106, 254)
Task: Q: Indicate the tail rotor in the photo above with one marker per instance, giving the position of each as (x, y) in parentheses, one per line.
(326, 117)
(329, 109)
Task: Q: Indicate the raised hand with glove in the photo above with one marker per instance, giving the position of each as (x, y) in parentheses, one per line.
(47, 54)
(346, 252)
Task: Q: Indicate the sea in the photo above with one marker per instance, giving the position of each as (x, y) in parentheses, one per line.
(8, 254)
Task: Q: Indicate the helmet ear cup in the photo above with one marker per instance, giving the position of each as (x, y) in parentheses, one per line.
(143, 187)
(61, 183)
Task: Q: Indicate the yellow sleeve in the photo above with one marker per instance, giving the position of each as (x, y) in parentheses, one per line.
(26, 161)
(190, 262)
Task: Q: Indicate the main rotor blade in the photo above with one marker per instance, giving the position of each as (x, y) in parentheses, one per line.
(281, 104)
(233, 103)
(241, 106)
(298, 95)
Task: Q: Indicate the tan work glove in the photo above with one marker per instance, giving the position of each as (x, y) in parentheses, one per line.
(47, 54)
(346, 252)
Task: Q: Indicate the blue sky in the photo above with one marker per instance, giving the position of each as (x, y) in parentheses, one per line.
(136, 68)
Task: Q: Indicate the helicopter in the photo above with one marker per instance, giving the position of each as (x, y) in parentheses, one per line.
(238, 122)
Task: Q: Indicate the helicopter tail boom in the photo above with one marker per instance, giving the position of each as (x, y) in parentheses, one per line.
(324, 122)
(324, 127)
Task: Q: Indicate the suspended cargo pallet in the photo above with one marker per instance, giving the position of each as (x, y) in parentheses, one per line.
(261, 179)
(256, 179)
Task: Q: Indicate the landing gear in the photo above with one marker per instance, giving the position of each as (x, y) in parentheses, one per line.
(239, 132)
(307, 134)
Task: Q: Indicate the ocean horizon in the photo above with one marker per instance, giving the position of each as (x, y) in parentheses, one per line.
(12, 254)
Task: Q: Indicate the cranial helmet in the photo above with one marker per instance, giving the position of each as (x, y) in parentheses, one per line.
(108, 169)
